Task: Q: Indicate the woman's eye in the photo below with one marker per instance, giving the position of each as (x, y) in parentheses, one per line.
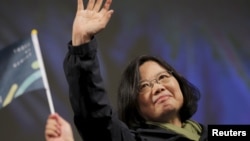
(163, 76)
(144, 85)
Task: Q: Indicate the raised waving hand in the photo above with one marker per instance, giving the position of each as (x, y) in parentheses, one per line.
(90, 19)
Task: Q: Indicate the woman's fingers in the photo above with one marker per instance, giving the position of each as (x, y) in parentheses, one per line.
(80, 5)
(106, 8)
(90, 5)
(98, 5)
(107, 4)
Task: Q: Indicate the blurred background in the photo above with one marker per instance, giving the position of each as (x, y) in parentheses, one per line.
(206, 41)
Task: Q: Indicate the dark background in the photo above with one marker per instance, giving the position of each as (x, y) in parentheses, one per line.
(206, 41)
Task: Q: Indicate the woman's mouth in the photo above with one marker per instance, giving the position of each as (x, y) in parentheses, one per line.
(162, 98)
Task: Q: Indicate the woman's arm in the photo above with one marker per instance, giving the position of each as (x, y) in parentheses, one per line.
(93, 114)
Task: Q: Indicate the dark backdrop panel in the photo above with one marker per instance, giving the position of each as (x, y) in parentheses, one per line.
(207, 42)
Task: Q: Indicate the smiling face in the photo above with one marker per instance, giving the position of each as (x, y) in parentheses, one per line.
(163, 101)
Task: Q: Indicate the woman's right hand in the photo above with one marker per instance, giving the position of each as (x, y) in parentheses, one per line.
(90, 20)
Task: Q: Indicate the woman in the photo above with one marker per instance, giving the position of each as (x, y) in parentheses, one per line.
(154, 102)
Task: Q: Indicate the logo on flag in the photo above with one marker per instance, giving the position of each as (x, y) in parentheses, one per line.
(20, 72)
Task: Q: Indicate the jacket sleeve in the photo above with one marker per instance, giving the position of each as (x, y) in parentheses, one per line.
(93, 115)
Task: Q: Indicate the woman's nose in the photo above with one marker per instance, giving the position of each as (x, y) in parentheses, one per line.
(157, 88)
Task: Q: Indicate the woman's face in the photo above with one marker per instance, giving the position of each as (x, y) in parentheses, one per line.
(158, 101)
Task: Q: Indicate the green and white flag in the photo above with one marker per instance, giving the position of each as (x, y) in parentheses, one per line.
(22, 70)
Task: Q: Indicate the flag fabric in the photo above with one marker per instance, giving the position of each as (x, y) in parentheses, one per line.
(22, 70)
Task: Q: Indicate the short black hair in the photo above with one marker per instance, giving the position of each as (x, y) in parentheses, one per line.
(128, 91)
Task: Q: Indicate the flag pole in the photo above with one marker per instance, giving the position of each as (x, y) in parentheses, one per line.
(42, 68)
